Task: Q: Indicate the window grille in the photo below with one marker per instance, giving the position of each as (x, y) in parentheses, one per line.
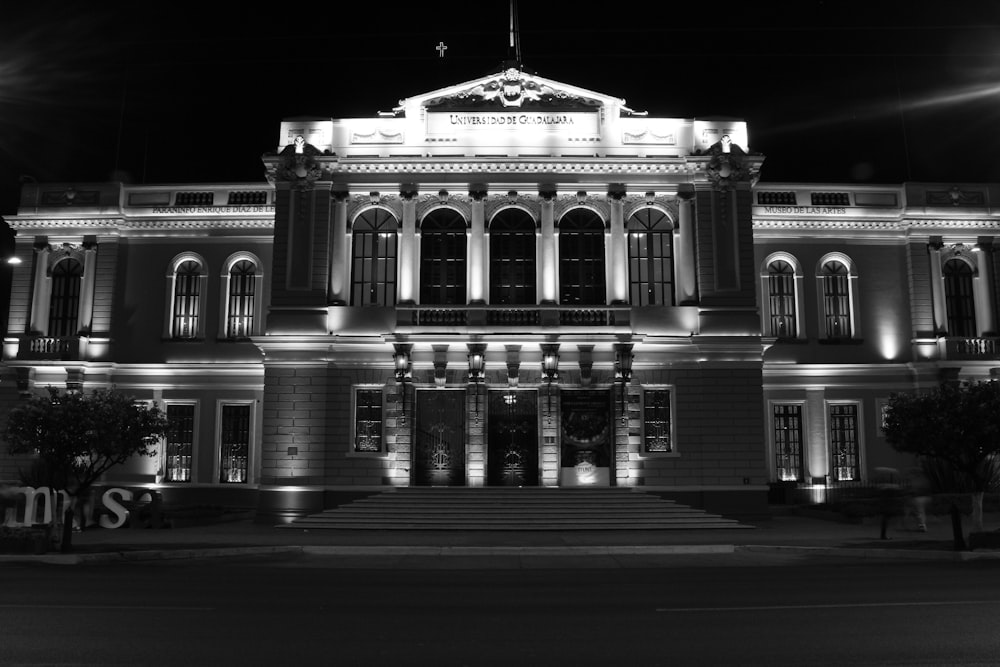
(235, 444)
(656, 421)
(180, 443)
(844, 442)
(368, 421)
(788, 442)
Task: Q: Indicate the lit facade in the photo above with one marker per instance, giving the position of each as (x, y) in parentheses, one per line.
(510, 281)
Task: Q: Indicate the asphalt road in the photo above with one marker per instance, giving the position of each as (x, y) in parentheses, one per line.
(689, 610)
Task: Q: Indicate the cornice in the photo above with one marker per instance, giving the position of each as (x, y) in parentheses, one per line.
(125, 225)
(861, 224)
(512, 165)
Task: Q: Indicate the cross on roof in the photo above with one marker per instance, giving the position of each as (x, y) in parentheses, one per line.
(441, 48)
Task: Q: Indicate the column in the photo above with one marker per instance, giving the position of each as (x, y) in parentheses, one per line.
(340, 258)
(85, 312)
(985, 317)
(684, 261)
(617, 249)
(937, 285)
(477, 247)
(40, 294)
(548, 253)
(408, 278)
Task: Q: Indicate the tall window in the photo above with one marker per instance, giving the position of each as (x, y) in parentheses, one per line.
(235, 444)
(958, 298)
(368, 421)
(781, 299)
(64, 306)
(581, 258)
(180, 443)
(650, 258)
(512, 258)
(242, 292)
(657, 435)
(187, 299)
(442, 258)
(787, 442)
(373, 262)
(844, 442)
(836, 299)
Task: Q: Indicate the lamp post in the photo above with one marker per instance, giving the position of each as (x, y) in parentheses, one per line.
(403, 368)
(623, 373)
(550, 371)
(477, 365)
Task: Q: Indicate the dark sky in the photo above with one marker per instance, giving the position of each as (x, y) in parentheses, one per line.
(834, 91)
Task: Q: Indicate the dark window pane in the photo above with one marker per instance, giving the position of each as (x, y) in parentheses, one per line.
(512, 258)
(581, 259)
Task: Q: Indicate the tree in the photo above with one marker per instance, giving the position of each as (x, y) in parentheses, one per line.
(78, 437)
(957, 426)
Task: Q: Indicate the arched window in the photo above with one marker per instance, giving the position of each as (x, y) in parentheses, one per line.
(64, 305)
(581, 258)
(781, 299)
(959, 298)
(512, 258)
(835, 280)
(242, 299)
(187, 300)
(373, 261)
(442, 258)
(650, 258)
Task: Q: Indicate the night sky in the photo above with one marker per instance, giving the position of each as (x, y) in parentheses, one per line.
(835, 91)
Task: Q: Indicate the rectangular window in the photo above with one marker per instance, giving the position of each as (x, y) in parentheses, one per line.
(844, 442)
(788, 442)
(186, 305)
(657, 434)
(368, 421)
(235, 444)
(180, 443)
(651, 268)
(374, 269)
(836, 306)
(781, 299)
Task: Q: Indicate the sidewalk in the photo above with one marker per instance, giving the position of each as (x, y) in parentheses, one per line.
(784, 533)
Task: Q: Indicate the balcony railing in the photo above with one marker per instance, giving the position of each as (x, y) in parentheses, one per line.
(520, 316)
(41, 348)
(971, 348)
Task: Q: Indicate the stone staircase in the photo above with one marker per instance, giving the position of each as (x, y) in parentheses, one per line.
(494, 508)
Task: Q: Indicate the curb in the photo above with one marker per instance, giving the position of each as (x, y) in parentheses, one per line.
(467, 551)
(884, 554)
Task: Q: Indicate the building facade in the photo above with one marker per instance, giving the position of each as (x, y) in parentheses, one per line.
(511, 281)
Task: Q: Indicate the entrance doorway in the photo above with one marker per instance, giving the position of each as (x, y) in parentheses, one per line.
(439, 454)
(512, 438)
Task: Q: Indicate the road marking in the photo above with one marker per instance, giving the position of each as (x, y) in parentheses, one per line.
(104, 607)
(850, 605)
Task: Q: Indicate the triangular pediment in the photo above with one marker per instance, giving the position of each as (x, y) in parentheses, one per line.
(511, 89)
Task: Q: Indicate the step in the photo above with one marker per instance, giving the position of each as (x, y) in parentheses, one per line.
(510, 509)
